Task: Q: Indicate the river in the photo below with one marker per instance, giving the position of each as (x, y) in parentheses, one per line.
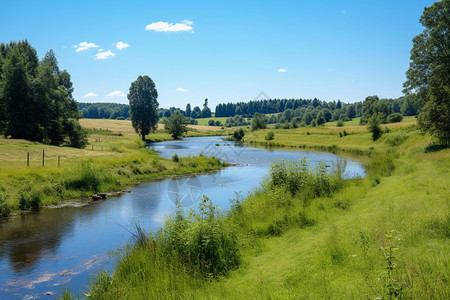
(42, 252)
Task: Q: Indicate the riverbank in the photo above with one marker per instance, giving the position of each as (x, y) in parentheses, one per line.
(114, 160)
(385, 235)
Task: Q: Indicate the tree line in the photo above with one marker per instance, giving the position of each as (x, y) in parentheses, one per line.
(104, 110)
(36, 101)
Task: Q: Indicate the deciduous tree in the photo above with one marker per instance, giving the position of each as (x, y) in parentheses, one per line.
(429, 70)
(143, 105)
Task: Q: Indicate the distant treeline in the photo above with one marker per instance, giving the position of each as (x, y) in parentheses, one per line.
(337, 109)
(301, 112)
(104, 110)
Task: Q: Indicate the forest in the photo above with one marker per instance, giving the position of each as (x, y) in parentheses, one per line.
(36, 101)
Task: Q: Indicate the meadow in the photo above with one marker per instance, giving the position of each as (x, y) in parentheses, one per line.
(305, 234)
(114, 159)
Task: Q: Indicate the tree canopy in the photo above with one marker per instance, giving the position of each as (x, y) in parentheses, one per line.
(143, 105)
(176, 125)
(36, 101)
(429, 70)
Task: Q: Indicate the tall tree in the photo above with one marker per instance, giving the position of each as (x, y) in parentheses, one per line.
(429, 70)
(143, 105)
(188, 110)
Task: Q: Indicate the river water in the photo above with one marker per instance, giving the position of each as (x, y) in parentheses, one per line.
(43, 252)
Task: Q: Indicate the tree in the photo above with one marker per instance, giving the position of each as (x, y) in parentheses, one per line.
(143, 105)
(429, 70)
(258, 121)
(176, 125)
(373, 125)
(188, 110)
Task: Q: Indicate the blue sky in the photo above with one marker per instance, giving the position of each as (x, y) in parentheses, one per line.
(223, 50)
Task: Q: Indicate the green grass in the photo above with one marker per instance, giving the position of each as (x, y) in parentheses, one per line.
(114, 160)
(204, 121)
(386, 235)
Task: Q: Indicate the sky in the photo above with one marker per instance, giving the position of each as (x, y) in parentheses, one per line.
(226, 51)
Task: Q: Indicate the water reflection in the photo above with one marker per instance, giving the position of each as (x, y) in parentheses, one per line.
(39, 252)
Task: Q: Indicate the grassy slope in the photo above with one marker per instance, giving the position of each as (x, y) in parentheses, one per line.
(340, 256)
(115, 155)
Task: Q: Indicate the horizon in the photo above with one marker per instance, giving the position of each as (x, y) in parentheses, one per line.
(226, 52)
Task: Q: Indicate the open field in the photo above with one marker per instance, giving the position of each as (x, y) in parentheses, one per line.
(355, 139)
(383, 236)
(204, 121)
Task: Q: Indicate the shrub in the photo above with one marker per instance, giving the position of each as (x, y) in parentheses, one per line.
(211, 123)
(340, 123)
(175, 158)
(395, 118)
(239, 134)
(30, 200)
(374, 127)
(4, 207)
(270, 136)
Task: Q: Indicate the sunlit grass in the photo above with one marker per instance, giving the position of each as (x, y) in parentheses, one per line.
(331, 246)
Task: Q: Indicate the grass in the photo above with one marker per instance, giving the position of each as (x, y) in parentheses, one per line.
(204, 121)
(385, 236)
(115, 159)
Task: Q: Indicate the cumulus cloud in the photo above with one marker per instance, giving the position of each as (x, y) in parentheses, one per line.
(116, 94)
(122, 45)
(160, 26)
(181, 90)
(85, 46)
(90, 95)
(282, 70)
(104, 55)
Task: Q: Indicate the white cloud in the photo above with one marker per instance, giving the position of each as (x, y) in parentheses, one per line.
(90, 95)
(104, 55)
(122, 45)
(282, 70)
(116, 94)
(181, 90)
(160, 26)
(101, 50)
(85, 46)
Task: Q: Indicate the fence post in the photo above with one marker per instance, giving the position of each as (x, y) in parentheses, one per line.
(58, 160)
(28, 159)
(43, 157)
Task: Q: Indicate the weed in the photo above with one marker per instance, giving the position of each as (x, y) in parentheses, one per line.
(392, 287)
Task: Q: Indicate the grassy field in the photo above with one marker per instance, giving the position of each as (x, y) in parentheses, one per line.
(385, 236)
(355, 139)
(204, 121)
(114, 159)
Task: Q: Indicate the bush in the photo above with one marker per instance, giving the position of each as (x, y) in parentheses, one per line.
(238, 135)
(30, 200)
(175, 158)
(395, 118)
(340, 123)
(374, 127)
(211, 123)
(270, 136)
(4, 207)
